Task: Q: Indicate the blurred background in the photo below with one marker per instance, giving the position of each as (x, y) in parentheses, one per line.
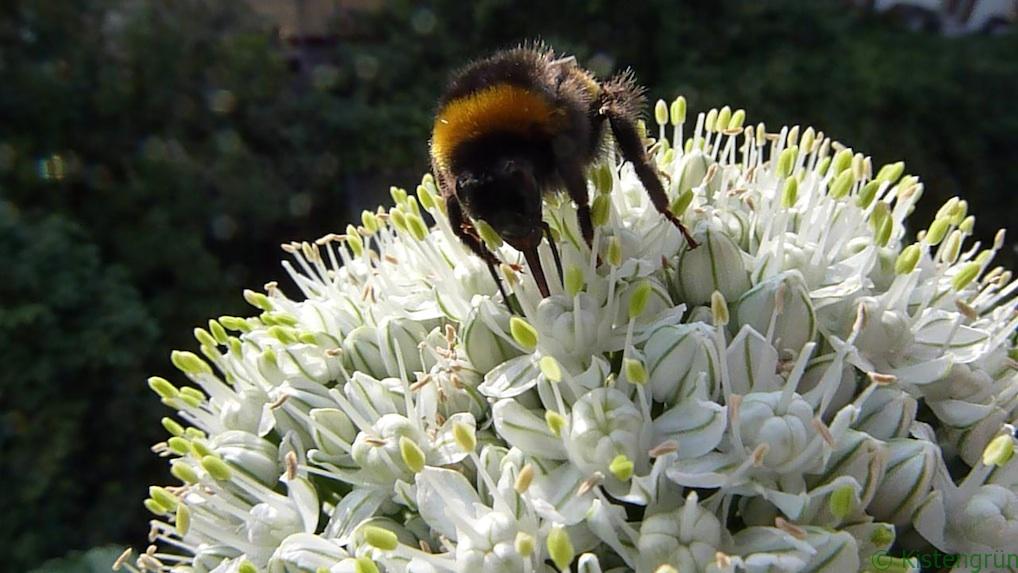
(154, 153)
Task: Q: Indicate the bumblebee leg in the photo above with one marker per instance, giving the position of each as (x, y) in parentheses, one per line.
(534, 262)
(463, 229)
(576, 186)
(618, 109)
(555, 253)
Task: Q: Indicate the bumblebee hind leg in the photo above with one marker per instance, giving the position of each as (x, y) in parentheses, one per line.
(621, 100)
(576, 185)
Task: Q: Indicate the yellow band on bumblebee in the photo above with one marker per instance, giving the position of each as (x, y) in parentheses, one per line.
(500, 108)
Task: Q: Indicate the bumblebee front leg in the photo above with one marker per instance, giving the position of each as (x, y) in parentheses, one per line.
(465, 231)
(628, 139)
(554, 253)
(576, 186)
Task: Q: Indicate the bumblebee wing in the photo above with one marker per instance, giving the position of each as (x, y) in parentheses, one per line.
(566, 62)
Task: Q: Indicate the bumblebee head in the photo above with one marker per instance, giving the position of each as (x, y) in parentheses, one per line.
(505, 194)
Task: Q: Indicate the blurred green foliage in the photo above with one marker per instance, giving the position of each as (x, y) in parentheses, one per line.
(152, 154)
(98, 560)
(72, 335)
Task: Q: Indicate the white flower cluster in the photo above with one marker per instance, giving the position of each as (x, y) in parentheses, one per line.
(799, 393)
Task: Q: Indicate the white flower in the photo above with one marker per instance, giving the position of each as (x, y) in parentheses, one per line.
(787, 396)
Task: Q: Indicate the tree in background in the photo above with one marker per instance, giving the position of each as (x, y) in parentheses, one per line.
(72, 332)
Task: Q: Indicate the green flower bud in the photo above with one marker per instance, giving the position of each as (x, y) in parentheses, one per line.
(370, 221)
(178, 445)
(823, 166)
(189, 363)
(172, 427)
(681, 203)
(218, 332)
(958, 213)
(968, 225)
(550, 368)
(789, 193)
(412, 454)
(883, 536)
(154, 507)
(937, 231)
(999, 451)
(413, 208)
(560, 547)
(638, 299)
(235, 323)
(523, 333)
(418, 229)
(603, 180)
(867, 194)
(786, 161)
(738, 118)
(556, 422)
(465, 437)
(719, 308)
(661, 112)
(354, 241)
(842, 161)
(724, 116)
(398, 219)
(600, 210)
(891, 172)
(163, 497)
(380, 538)
(398, 195)
(907, 260)
(711, 120)
(966, 275)
(163, 388)
(199, 448)
(614, 252)
(183, 472)
(635, 372)
(182, 523)
(842, 502)
(808, 139)
(621, 467)
(882, 223)
(574, 280)
(488, 235)
(524, 544)
(216, 467)
(524, 479)
(842, 185)
(678, 111)
(364, 565)
(947, 208)
(257, 300)
(952, 248)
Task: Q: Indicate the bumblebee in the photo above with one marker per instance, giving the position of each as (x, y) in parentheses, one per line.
(522, 123)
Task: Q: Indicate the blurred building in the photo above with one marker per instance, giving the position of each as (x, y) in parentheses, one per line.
(308, 19)
(309, 28)
(950, 17)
